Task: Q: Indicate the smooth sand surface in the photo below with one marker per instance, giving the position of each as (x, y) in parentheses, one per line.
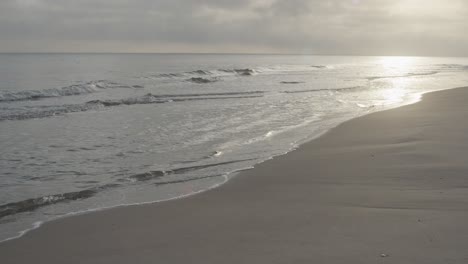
(392, 183)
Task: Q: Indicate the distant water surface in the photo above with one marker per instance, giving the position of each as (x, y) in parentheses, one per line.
(81, 132)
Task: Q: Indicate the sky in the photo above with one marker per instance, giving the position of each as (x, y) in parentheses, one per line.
(328, 27)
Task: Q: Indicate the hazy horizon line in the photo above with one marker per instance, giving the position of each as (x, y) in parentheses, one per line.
(238, 53)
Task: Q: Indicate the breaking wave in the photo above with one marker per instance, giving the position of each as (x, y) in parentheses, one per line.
(208, 76)
(453, 66)
(321, 90)
(54, 110)
(187, 180)
(157, 99)
(33, 204)
(77, 89)
(158, 174)
(200, 76)
(202, 80)
(242, 72)
(284, 82)
(34, 112)
(36, 203)
(411, 74)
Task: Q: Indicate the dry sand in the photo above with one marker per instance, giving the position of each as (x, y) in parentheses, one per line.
(390, 187)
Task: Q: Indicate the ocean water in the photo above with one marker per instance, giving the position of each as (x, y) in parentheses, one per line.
(83, 132)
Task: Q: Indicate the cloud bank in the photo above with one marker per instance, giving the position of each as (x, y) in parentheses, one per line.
(354, 27)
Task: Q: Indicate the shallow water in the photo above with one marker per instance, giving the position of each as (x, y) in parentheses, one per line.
(82, 132)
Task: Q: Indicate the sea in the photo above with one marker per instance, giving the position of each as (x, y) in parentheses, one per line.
(86, 132)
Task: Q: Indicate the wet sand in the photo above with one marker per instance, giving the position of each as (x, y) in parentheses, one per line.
(390, 187)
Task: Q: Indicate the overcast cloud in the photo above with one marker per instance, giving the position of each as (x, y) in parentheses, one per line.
(365, 27)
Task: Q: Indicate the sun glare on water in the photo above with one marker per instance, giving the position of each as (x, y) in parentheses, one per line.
(402, 63)
(399, 70)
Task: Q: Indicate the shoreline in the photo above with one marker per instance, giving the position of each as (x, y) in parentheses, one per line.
(415, 98)
(239, 182)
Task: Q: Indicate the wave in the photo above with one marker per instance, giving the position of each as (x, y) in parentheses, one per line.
(36, 203)
(184, 74)
(284, 82)
(411, 74)
(43, 111)
(77, 89)
(453, 66)
(146, 176)
(242, 72)
(157, 99)
(211, 94)
(187, 180)
(200, 80)
(33, 204)
(200, 75)
(48, 111)
(450, 65)
(321, 90)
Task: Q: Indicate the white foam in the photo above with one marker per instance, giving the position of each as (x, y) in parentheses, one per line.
(40, 223)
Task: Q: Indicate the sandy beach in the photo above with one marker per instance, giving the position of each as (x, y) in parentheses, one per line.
(389, 187)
